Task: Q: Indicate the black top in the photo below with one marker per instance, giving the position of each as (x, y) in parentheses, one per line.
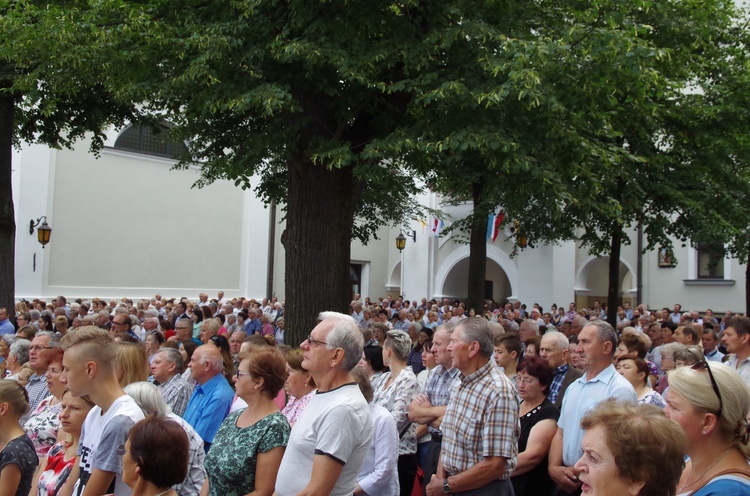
(20, 451)
(537, 481)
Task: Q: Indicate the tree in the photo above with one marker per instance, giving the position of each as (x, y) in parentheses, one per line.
(323, 101)
(49, 95)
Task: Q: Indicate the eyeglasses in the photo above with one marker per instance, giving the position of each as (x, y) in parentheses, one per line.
(40, 348)
(315, 341)
(527, 380)
(704, 365)
(239, 374)
(121, 450)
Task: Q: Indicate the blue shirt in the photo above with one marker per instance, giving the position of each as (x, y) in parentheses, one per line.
(583, 395)
(253, 326)
(208, 406)
(6, 327)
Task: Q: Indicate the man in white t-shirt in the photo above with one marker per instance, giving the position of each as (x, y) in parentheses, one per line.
(89, 369)
(331, 437)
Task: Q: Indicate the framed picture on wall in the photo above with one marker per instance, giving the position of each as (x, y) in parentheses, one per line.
(666, 257)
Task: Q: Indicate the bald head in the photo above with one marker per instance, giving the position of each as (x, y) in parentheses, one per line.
(206, 363)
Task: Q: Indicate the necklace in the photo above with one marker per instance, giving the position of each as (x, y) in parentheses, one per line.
(704, 472)
(164, 492)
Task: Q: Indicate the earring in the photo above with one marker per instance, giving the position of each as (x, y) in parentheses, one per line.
(256, 387)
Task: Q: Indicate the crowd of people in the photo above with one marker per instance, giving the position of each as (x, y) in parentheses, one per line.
(176, 397)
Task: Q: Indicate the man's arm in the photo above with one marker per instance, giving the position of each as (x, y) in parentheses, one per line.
(98, 483)
(325, 473)
(565, 478)
(421, 411)
(481, 474)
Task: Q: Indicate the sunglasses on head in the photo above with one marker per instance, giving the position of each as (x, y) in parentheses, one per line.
(703, 364)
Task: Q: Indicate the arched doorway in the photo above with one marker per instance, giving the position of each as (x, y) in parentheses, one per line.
(592, 281)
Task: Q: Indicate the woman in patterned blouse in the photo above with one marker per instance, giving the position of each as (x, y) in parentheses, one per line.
(247, 450)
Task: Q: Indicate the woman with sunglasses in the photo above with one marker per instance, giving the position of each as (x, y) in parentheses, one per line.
(710, 401)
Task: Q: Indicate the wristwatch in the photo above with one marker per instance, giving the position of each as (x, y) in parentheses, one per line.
(446, 487)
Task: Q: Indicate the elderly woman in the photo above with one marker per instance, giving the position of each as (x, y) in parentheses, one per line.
(150, 400)
(154, 340)
(395, 392)
(538, 426)
(710, 402)
(279, 330)
(667, 363)
(44, 422)
(247, 450)
(299, 385)
(636, 371)
(17, 357)
(629, 450)
(379, 472)
(154, 457)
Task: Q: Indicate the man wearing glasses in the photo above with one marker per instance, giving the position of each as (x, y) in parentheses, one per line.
(121, 325)
(332, 435)
(597, 342)
(39, 354)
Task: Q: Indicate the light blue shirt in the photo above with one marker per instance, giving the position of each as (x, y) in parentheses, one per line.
(209, 406)
(583, 395)
(6, 327)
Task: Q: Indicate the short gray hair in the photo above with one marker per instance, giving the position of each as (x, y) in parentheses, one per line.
(148, 398)
(477, 329)
(533, 324)
(20, 349)
(174, 356)
(345, 335)
(560, 340)
(448, 327)
(605, 332)
(54, 339)
(416, 325)
(216, 361)
(398, 341)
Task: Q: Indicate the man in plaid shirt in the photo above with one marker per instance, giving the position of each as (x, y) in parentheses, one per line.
(480, 427)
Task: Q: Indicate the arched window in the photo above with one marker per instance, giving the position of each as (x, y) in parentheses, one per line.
(150, 141)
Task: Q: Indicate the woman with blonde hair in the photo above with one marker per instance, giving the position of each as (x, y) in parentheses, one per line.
(395, 392)
(710, 402)
(132, 363)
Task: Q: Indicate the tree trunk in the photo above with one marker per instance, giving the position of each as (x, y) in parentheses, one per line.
(7, 216)
(317, 242)
(477, 253)
(613, 287)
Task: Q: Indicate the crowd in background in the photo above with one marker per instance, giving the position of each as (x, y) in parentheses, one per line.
(221, 370)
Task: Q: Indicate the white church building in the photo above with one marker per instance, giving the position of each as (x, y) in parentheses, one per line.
(126, 224)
